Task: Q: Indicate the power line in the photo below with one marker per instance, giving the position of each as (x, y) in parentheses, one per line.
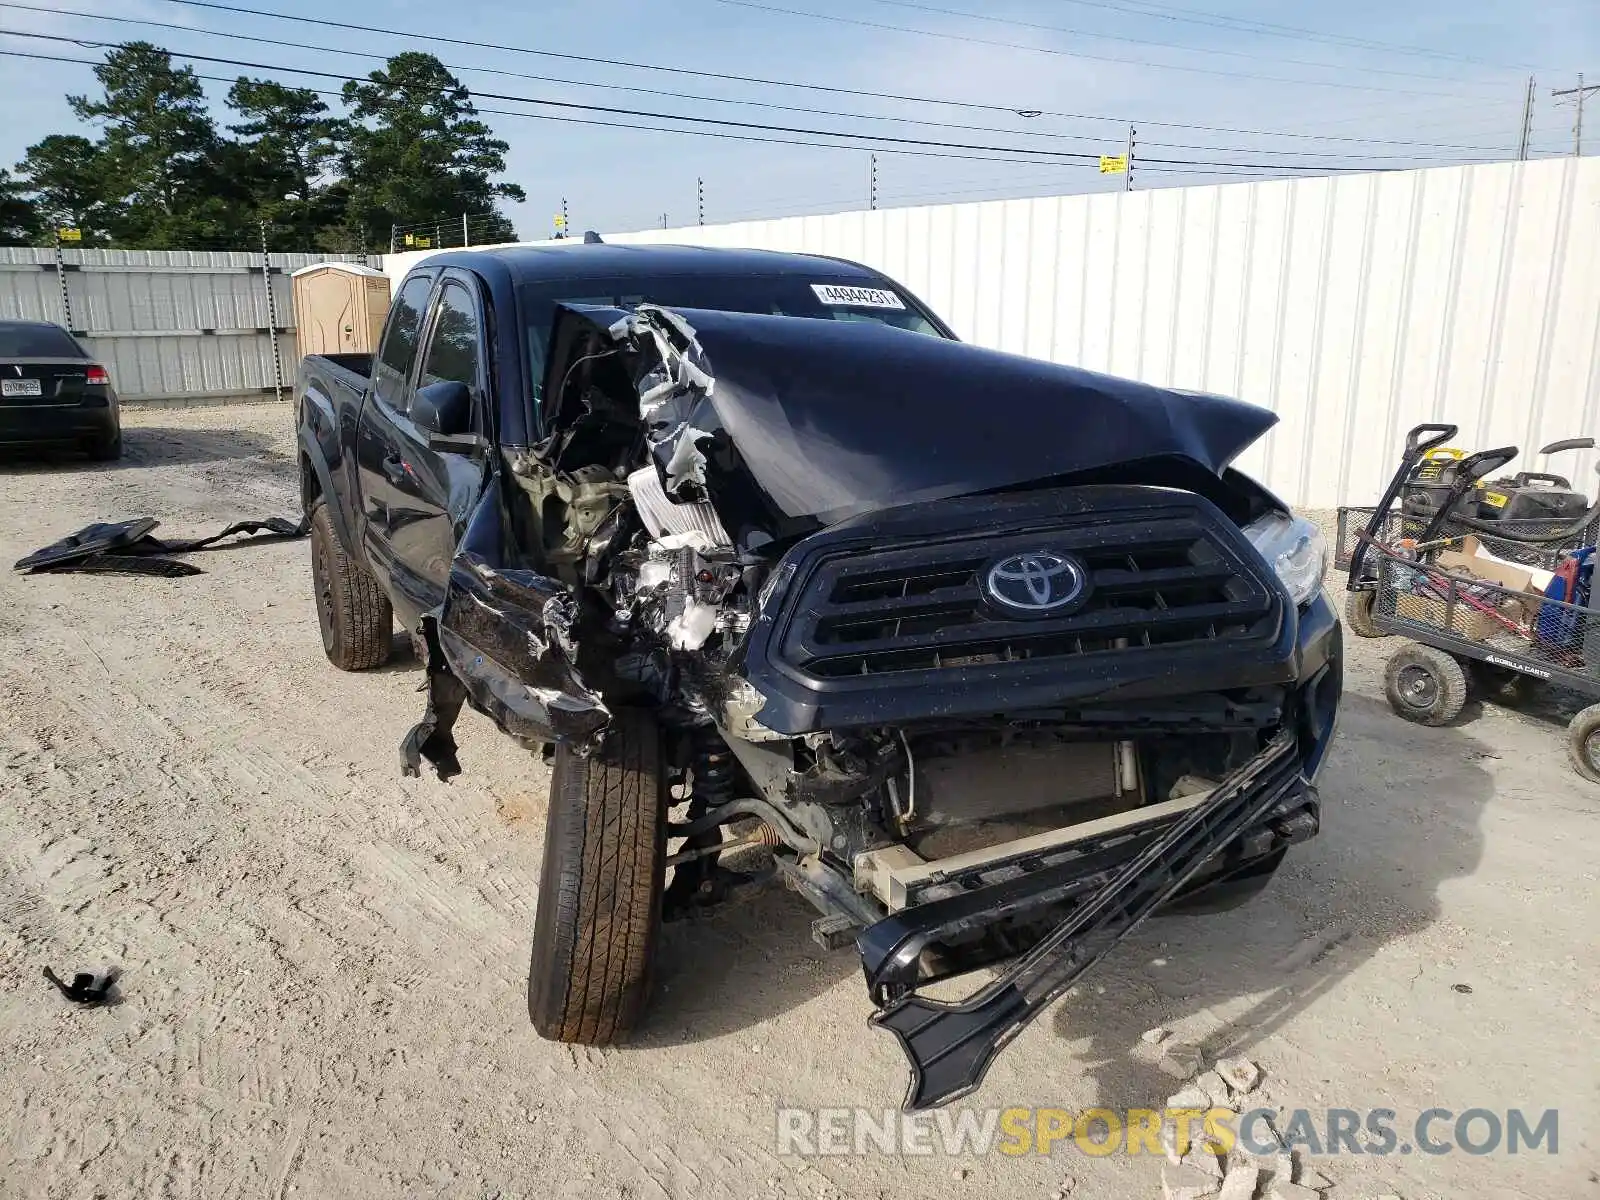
(813, 111)
(874, 140)
(1111, 58)
(1012, 109)
(704, 133)
(1116, 37)
(1294, 32)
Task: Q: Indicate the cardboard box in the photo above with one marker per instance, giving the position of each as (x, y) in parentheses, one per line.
(1465, 622)
(1472, 559)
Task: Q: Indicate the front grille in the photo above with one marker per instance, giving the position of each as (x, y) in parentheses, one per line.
(1155, 580)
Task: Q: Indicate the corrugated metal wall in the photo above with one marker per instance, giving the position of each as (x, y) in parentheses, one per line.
(1354, 307)
(166, 324)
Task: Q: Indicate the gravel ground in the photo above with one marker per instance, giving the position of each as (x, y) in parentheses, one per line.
(322, 990)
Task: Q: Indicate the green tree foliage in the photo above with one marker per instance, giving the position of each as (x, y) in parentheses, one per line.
(416, 151)
(20, 221)
(163, 168)
(291, 142)
(64, 173)
(161, 175)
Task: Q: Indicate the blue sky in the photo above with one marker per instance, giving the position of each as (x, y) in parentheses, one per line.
(1205, 71)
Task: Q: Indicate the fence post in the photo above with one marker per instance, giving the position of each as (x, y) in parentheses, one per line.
(61, 278)
(272, 316)
(394, 236)
(466, 238)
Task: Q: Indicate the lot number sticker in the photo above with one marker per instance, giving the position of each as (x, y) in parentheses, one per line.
(840, 296)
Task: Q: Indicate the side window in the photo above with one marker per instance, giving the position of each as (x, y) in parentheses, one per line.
(399, 348)
(453, 348)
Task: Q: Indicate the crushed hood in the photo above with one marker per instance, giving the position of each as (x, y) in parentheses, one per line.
(829, 419)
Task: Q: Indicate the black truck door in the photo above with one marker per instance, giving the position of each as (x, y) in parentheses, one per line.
(417, 499)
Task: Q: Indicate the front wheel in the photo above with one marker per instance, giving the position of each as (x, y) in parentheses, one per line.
(1425, 685)
(1583, 743)
(599, 913)
(1358, 614)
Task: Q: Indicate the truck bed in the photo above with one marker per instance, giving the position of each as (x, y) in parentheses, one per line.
(351, 369)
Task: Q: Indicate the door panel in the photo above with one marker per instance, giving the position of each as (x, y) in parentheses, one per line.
(418, 499)
(383, 436)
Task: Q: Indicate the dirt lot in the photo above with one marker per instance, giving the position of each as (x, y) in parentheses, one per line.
(323, 962)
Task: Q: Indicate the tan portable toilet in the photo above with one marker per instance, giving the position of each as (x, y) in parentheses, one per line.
(339, 308)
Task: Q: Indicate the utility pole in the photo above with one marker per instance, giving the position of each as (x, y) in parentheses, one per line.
(1527, 122)
(1578, 93)
(700, 198)
(1128, 184)
(872, 185)
(663, 220)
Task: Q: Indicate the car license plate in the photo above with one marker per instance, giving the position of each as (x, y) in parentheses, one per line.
(21, 387)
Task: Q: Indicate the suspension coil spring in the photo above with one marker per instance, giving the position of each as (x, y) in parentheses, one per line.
(715, 776)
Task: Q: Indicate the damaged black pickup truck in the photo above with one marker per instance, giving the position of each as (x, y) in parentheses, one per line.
(987, 658)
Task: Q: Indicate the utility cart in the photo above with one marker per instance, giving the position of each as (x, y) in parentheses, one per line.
(1439, 495)
(1471, 634)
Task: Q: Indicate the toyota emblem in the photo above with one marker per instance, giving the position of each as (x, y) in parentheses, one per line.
(1039, 581)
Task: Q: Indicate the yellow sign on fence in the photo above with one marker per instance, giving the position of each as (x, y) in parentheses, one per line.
(1113, 164)
(419, 241)
(70, 235)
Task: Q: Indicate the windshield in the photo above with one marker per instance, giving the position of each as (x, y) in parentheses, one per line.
(37, 341)
(824, 297)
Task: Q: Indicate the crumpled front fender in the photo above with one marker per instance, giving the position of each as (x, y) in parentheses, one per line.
(502, 642)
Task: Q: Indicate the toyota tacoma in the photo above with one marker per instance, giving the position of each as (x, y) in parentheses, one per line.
(986, 657)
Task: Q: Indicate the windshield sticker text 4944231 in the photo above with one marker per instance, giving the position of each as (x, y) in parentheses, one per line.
(843, 296)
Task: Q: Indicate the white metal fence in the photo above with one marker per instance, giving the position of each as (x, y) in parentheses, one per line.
(166, 324)
(1354, 307)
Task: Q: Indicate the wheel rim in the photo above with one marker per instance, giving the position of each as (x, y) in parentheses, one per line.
(322, 578)
(1591, 750)
(1418, 688)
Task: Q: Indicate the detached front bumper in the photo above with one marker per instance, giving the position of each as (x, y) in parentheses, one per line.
(1068, 909)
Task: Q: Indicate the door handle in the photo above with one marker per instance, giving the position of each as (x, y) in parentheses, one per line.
(395, 470)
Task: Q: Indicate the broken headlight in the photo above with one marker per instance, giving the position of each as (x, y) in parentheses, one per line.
(1295, 550)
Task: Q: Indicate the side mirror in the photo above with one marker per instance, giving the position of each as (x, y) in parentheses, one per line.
(444, 408)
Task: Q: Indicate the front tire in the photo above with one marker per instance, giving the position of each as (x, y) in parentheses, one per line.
(354, 615)
(1358, 614)
(1425, 685)
(599, 911)
(1583, 743)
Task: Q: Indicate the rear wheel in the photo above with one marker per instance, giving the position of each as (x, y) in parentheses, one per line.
(1425, 685)
(1358, 614)
(600, 890)
(1583, 743)
(106, 449)
(354, 615)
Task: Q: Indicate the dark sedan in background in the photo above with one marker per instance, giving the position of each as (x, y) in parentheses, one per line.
(52, 393)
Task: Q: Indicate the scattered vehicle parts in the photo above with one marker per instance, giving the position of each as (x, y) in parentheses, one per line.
(86, 988)
(127, 547)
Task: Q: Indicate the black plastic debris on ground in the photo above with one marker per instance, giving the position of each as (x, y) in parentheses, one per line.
(127, 547)
(86, 988)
